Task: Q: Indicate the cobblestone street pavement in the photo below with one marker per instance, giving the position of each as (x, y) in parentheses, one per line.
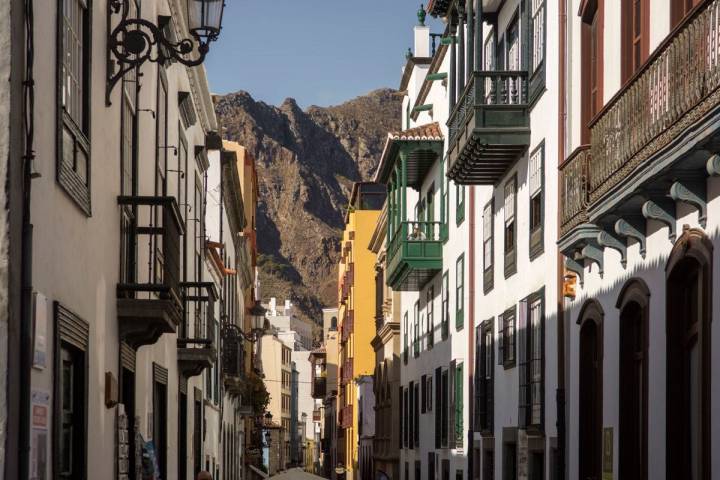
(296, 474)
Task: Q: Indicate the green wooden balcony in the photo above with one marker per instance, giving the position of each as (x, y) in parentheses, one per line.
(489, 127)
(414, 255)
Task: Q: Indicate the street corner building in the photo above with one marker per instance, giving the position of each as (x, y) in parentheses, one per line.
(129, 256)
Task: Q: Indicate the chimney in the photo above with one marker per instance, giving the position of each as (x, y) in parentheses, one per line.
(422, 35)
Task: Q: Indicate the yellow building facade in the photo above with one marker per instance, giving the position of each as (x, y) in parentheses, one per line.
(356, 312)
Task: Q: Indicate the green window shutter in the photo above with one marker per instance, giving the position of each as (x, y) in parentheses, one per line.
(451, 426)
(444, 207)
(459, 204)
(460, 292)
(459, 406)
(438, 407)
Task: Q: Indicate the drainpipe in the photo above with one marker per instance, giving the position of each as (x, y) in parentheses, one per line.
(560, 394)
(25, 360)
(477, 53)
(471, 334)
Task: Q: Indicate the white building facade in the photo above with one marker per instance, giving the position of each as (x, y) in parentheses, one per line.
(639, 235)
(122, 359)
(478, 287)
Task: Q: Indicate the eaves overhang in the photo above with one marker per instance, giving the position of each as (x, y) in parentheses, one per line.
(411, 63)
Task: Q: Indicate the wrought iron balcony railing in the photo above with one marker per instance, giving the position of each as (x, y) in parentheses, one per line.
(346, 416)
(676, 87)
(149, 289)
(573, 189)
(348, 324)
(648, 147)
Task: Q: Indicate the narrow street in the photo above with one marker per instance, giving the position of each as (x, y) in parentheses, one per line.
(296, 474)
(377, 240)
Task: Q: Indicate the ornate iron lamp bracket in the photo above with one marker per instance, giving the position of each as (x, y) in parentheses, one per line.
(136, 40)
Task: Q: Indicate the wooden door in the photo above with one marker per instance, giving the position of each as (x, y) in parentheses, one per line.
(590, 447)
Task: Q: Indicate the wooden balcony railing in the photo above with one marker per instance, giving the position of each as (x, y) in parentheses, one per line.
(346, 416)
(573, 189)
(488, 88)
(414, 254)
(346, 371)
(489, 127)
(676, 87)
(319, 387)
(348, 324)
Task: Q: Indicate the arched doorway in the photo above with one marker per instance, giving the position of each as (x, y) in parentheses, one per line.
(591, 411)
(633, 304)
(689, 310)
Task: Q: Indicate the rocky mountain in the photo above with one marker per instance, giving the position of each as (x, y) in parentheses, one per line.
(307, 162)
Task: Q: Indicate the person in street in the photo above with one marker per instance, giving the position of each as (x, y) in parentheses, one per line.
(204, 476)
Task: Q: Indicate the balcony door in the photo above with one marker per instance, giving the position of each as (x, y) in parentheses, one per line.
(71, 443)
(513, 60)
(689, 287)
(679, 9)
(633, 306)
(590, 421)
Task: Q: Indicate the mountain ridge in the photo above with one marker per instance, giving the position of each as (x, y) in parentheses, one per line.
(307, 161)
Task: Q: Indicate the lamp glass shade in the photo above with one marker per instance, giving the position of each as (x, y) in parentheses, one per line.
(257, 316)
(205, 18)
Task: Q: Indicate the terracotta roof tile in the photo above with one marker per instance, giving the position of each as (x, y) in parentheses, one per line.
(430, 131)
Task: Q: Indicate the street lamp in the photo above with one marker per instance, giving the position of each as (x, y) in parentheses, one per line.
(136, 40)
(257, 317)
(205, 18)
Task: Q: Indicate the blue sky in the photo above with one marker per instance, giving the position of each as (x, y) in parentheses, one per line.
(320, 52)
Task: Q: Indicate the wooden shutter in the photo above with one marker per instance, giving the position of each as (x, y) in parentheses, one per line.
(438, 406)
(405, 418)
(501, 340)
(522, 341)
(490, 383)
(423, 394)
(417, 416)
(444, 409)
(402, 412)
(459, 403)
(480, 413)
(411, 416)
(451, 408)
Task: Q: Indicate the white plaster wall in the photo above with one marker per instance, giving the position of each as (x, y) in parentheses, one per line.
(455, 346)
(306, 404)
(86, 283)
(607, 290)
(651, 270)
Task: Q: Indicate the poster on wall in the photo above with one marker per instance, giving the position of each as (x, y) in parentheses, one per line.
(607, 454)
(40, 331)
(40, 421)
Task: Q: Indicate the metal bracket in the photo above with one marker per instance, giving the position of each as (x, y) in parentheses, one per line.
(594, 254)
(607, 240)
(662, 211)
(713, 165)
(632, 228)
(133, 41)
(692, 192)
